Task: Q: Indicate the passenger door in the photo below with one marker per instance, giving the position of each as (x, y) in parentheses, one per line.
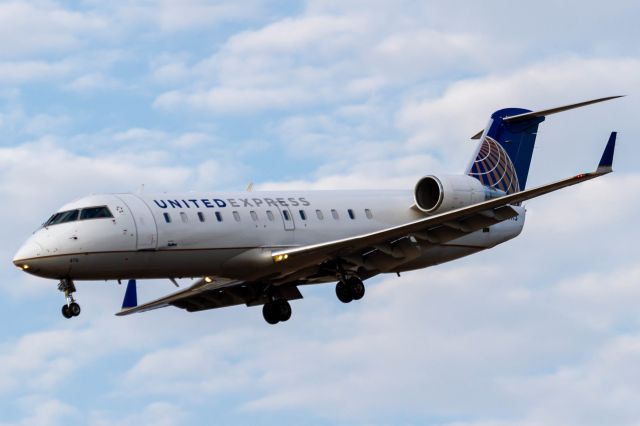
(146, 228)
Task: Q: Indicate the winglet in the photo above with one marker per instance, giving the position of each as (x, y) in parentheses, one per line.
(130, 296)
(606, 162)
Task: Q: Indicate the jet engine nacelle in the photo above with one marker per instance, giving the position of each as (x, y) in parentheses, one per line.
(437, 194)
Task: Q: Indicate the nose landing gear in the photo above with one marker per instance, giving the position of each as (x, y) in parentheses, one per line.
(71, 308)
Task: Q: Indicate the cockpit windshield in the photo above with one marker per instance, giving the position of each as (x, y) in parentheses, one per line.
(95, 213)
(73, 215)
(62, 217)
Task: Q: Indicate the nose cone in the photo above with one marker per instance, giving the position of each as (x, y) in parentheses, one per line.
(29, 251)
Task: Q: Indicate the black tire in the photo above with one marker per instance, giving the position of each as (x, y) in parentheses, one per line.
(65, 312)
(270, 314)
(356, 288)
(74, 309)
(343, 292)
(283, 308)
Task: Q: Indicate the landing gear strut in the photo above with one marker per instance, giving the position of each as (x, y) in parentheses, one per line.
(349, 289)
(71, 308)
(276, 311)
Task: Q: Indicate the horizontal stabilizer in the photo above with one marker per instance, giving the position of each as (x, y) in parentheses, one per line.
(550, 111)
(545, 112)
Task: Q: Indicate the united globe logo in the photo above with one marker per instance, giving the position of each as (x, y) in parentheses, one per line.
(494, 168)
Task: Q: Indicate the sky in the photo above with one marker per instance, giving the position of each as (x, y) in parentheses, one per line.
(192, 95)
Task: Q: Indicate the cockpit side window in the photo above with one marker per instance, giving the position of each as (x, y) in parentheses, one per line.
(95, 213)
(63, 217)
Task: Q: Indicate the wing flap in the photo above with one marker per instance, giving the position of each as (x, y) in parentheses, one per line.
(219, 293)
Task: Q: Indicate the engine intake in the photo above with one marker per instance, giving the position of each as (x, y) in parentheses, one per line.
(436, 194)
(428, 193)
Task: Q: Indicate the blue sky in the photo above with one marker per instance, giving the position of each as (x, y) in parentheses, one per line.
(194, 95)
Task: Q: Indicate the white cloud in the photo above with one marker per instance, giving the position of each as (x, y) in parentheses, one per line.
(156, 414)
(179, 15)
(94, 81)
(45, 412)
(12, 73)
(37, 27)
(331, 59)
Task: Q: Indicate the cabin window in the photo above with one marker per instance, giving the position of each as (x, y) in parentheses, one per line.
(201, 216)
(319, 214)
(286, 214)
(335, 215)
(183, 217)
(303, 215)
(219, 216)
(95, 213)
(167, 217)
(254, 216)
(270, 215)
(62, 217)
(236, 216)
(351, 214)
(367, 212)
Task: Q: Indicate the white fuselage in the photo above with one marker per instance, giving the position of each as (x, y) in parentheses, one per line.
(227, 234)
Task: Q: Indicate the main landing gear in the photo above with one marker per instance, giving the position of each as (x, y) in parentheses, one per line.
(276, 311)
(71, 308)
(349, 289)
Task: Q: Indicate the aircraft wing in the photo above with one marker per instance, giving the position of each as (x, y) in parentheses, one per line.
(438, 228)
(210, 293)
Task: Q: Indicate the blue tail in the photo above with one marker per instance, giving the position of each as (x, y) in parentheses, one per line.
(503, 156)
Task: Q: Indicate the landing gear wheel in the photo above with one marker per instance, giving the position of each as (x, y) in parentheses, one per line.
(71, 308)
(356, 288)
(270, 314)
(276, 311)
(65, 311)
(74, 309)
(343, 292)
(283, 308)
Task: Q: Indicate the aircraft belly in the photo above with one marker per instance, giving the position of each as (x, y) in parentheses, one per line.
(135, 264)
(436, 255)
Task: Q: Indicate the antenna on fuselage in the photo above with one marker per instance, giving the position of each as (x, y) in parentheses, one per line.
(250, 187)
(141, 189)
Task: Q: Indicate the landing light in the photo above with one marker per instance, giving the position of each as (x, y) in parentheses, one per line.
(281, 257)
(25, 267)
(208, 279)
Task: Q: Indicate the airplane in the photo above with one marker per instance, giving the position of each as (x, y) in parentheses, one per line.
(258, 248)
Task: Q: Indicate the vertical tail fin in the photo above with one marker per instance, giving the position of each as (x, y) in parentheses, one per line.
(503, 156)
(504, 153)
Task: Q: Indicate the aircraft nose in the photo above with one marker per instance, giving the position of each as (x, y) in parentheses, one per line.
(30, 250)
